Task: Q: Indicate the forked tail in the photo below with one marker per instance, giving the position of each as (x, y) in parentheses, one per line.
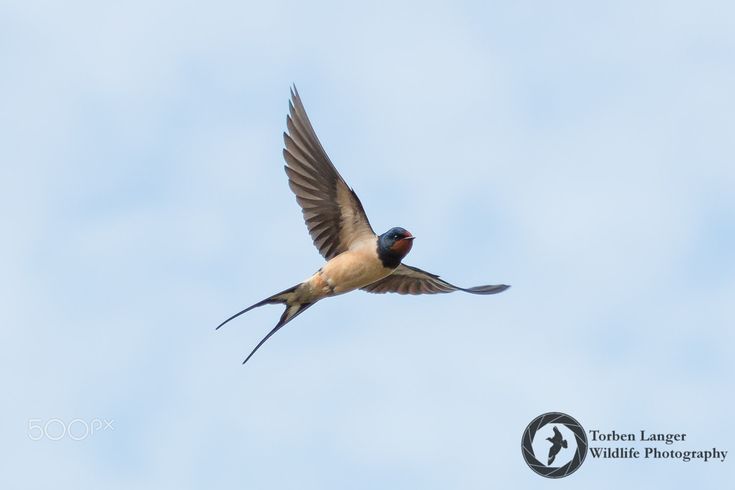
(293, 309)
(278, 298)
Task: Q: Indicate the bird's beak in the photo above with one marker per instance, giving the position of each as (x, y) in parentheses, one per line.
(408, 238)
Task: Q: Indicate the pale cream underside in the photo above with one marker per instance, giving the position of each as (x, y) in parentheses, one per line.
(346, 272)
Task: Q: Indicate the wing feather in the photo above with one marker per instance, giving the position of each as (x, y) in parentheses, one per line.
(332, 211)
(412, 280)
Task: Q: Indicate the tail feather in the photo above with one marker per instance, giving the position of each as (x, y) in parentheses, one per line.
(291, 312)
(278, 298)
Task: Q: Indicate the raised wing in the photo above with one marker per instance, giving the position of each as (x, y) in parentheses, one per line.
(332, 211)
(412, 280)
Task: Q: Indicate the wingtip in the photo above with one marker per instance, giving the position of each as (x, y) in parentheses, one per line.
(294, 92)
(494, 289)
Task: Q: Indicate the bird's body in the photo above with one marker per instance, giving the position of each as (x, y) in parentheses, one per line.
(357, 258)
(346, 272)
(352, 269)
(557, 442)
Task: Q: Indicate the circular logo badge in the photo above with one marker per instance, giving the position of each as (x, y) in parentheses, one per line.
(554, 445)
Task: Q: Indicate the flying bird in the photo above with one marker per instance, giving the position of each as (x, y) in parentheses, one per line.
(356, 257)
(556, 444)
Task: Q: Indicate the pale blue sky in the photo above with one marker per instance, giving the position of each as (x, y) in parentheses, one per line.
(582, 152)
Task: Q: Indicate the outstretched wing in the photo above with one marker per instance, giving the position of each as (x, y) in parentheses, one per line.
(557, 434)
(412, 280)
(333, 213)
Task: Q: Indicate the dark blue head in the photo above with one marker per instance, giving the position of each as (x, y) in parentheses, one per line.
(393, 245)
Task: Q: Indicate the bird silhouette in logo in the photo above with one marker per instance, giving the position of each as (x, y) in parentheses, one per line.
(357, 258)
(556, 444)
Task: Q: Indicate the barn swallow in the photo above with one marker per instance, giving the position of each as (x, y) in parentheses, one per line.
(357, 258)
(557, 442)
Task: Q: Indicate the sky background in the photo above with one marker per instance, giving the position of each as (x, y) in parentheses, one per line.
(581, 152)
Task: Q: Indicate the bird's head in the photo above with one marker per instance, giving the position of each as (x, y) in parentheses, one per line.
(396, 242)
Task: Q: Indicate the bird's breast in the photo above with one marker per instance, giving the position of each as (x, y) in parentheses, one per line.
(351, 270)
